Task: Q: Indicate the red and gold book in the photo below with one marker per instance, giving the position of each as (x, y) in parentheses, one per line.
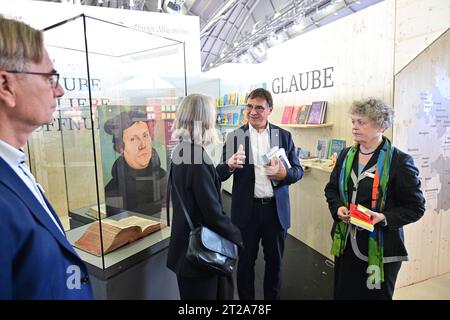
(360, 216)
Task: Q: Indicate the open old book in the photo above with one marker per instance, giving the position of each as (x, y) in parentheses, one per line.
(116, 233)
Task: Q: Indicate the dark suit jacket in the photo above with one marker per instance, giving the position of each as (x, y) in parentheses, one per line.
(244, 179)
(404, 202)
(199, 186)
(36, 260)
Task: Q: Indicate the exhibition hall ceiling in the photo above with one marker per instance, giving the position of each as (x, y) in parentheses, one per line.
(242, 30)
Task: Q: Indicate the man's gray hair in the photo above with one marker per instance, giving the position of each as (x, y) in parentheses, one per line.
(20, 44)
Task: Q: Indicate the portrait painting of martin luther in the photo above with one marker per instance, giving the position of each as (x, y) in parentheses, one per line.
(138, 182)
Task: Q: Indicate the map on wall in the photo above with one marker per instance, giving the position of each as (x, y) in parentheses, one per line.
(422, 127)
(429, 142)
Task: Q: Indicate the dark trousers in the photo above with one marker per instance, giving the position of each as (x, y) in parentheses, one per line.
(265, 227)
(214, 287)
(350, 278)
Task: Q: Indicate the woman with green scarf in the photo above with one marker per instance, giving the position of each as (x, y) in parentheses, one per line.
(377, 175)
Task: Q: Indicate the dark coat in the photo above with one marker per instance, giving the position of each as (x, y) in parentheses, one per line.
(244, 179)
(199, 186)
(404, 201)
(140, 191)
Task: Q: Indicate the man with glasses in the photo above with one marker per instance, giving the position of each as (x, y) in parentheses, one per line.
(36, 260)
(260, 196)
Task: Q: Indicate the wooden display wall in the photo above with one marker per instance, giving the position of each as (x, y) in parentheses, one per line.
(359, 48)
(365, 49)
(422, 104)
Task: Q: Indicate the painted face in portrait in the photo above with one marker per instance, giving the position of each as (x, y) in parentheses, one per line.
(364, 130)
(138, 145)
(258, 112)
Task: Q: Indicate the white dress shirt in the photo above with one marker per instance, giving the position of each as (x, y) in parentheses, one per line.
(16, 160)
(260, 144)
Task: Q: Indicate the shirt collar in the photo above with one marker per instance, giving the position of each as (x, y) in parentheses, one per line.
(253, 130)
(10, 154)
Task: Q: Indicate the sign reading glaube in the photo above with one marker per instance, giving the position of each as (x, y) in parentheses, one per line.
(314, 79)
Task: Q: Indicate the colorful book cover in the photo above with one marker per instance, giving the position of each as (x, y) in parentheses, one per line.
(315, 113)
(324, 111)
(361, 217)
(303, 114)
(336, 146)
(235, 118)
(287, 113)
(294, 115)
(321, 150)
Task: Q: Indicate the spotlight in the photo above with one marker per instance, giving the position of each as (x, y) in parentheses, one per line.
(174, 6)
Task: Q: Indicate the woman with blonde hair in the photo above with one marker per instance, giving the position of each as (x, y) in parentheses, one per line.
(198, 186)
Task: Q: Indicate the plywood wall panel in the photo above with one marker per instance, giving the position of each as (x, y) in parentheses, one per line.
(422, 100)
(360, 49)
(418, 24)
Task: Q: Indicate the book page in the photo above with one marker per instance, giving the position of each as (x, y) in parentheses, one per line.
(90, 240)
(132, 222)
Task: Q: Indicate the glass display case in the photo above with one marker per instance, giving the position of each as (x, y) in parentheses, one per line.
(105, 156)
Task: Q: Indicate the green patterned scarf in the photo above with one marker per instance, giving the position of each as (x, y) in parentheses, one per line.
(375, 245)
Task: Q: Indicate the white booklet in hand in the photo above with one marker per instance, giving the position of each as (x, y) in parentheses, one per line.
(276, 153)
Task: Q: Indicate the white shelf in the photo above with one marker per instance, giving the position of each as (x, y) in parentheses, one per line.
(306, 126)
(231, 106)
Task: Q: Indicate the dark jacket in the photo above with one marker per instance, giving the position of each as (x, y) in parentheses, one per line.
(140, 191)
(199, 186)
(404, 201)
(244, 179)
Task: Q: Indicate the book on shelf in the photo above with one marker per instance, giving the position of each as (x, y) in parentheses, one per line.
(303, 114)
(321, 149)
(242, 98)
(115, 234)
(287, 113)
(302, 153)
(323, 112)
(294, 115)
(335, 147)
(93, 211)
(243, 117)
(360, 216)
(317, 112)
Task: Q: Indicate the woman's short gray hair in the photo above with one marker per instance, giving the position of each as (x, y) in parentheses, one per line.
(376, 110)
(195, 120)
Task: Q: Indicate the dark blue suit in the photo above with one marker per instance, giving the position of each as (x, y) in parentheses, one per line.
(268, 222)
(36, 260)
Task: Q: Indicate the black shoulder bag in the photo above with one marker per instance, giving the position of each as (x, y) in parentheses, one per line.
(207, 249)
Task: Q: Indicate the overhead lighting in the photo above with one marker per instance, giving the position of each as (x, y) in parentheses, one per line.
(175, 5)
(217, 16)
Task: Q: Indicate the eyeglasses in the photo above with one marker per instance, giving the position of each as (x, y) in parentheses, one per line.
(258, 109)
(53, 80)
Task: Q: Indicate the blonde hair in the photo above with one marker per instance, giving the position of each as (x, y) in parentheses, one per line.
(195, 120)
(20, 44)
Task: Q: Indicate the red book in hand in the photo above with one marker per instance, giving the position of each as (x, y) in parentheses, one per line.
(360, 216)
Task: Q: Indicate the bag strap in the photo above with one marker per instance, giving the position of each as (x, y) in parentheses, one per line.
(171, 185)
